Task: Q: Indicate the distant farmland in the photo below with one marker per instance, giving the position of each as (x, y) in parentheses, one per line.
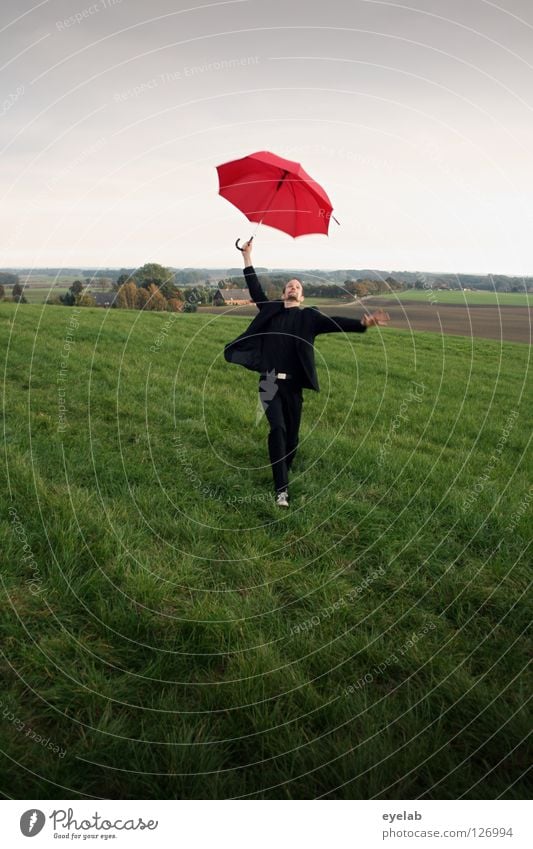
(507, 323)
(41, 289)
(442, 296)
(40, 295)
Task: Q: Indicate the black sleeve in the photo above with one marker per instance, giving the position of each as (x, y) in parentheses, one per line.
(336, 324)
(254, 287)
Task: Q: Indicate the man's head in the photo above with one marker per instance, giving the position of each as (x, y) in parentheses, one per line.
(293, 292)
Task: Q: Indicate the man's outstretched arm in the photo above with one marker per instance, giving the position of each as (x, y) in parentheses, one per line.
(342, 324)
(254, 286)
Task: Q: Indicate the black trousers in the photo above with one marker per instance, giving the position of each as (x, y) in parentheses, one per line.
(283, 411)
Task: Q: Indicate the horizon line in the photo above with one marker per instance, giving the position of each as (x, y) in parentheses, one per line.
(268, 269)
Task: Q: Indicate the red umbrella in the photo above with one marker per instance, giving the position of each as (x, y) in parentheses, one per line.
(277, 192)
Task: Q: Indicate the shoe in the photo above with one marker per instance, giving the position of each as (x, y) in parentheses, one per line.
(282, 498)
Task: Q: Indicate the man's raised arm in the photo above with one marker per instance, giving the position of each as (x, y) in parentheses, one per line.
(254, 287)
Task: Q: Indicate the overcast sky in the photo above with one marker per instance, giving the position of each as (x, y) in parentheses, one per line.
(415, 117)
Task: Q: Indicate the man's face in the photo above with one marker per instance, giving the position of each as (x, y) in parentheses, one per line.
(293, 291)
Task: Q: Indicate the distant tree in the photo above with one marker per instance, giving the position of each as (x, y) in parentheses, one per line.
(69, 298)
(153, 274)
(175, 305)
(2, 292)
(9, 279)
(360, 290)
(141, 298)
(84, 299)
(394, 285)
(199, 295)
(375, 287)
(124, 277)
(190, 307)
(127, 296)
(188, 276)
(18, 294)
(157, 301)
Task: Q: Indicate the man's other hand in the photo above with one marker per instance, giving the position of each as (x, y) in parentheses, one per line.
(379, 317)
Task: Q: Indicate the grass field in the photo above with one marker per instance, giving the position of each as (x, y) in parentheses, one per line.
(512, 299)
(41, 295)
(168, 633)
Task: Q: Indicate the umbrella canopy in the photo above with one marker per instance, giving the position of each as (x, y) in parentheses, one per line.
(275, 191)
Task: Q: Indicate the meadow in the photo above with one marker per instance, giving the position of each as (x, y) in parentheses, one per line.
(40, 294)
(167, 632)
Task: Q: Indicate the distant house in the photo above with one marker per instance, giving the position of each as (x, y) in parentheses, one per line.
(233, 297)
(104, 299)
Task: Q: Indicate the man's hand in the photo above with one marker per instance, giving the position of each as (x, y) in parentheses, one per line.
(380, 317)
(247, 252)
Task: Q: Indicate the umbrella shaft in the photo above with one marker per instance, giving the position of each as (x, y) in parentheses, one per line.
(276, 190)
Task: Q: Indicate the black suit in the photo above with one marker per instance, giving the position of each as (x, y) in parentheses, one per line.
(283, 406)
(245, 350)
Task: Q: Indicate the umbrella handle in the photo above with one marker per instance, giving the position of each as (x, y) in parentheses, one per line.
(237, 244)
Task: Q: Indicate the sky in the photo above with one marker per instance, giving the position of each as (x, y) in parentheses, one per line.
(416, 118)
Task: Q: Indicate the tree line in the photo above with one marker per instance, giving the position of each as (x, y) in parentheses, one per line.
(156, 287)
(153, 287)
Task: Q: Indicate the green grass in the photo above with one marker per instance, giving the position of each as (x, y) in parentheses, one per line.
(175, 642)
(514, 299)
(41, 295)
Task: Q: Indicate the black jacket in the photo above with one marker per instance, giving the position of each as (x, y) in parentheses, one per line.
(245, 350)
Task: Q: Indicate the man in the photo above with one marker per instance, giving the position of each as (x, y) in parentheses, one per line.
(279, 345)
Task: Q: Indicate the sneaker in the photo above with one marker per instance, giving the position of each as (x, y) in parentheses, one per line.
(282, 498)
